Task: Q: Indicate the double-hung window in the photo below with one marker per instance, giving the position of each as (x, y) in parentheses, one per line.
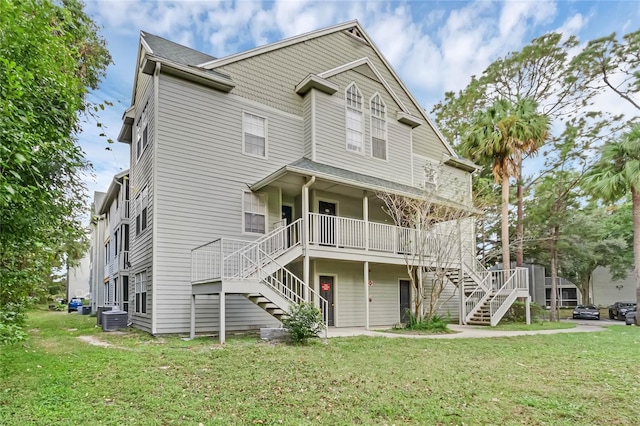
(378, 128)
(142, 133)
(254, 135)
(142, 207)
(141, 292)
(255, 212)
(355, 121)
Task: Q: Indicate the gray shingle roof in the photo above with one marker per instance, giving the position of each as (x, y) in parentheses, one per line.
(358, 178)
(173, 51)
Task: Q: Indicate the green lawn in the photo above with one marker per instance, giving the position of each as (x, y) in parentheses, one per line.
(573, 378)
(538, 325)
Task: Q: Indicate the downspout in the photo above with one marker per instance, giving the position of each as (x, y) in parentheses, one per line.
(154, 230)
(305, 235)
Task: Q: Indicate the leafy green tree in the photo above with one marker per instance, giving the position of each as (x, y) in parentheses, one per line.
(610, 63)
(503, 134)
(614, 176)
(50, 55)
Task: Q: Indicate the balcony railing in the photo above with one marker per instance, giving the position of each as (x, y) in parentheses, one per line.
(336, 231)
(123, 260)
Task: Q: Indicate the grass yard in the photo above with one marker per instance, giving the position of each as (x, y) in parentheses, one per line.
(572, 379)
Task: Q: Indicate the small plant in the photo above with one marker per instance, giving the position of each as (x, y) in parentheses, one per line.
(517, 313)
(435, 324)
(303, 321)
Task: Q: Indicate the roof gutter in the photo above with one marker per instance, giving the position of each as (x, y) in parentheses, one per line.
(195, 75)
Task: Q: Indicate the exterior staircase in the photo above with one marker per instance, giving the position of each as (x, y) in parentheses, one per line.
(257, 270)
(488, 295)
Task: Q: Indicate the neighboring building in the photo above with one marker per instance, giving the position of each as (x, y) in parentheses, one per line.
(78, 278)
(254, 179)
(96, 250)
(115, 288)
(568, 295)
(605, 291)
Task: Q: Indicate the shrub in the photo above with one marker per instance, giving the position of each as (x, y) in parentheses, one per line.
(435, 324)
(303, 321)
(517, 313)
(12, 320)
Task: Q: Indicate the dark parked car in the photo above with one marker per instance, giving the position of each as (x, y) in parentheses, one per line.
(619, 309)
(586, 312)
(630, 318)
(74, 304)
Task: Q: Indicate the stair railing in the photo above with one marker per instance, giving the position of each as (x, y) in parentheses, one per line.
(515, 280)
(287, 284)
(246, 261)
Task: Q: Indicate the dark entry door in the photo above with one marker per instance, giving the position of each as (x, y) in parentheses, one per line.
(326, 291)
(287, 214)
(327, 223)
(405, 300)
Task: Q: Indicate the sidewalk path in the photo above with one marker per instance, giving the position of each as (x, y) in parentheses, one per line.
(462, 331)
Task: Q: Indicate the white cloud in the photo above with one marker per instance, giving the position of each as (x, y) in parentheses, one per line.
(573, 25)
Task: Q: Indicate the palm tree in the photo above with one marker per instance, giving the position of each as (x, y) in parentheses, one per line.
(503, 135)
(615, 174)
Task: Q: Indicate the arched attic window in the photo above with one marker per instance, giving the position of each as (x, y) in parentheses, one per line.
(378, 127)
(355, 120)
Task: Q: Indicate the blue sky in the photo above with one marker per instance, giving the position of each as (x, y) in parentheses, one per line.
(435, 46)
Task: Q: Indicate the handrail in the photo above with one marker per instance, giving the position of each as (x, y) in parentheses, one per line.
(504, 297)
(277, 241)
(292, 292)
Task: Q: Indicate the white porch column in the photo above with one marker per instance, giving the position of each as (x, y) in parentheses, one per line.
(366, 295)
(192, 330)
(221, 333)
(463, 307)
(528, 309)
(305, 236)
(365, 217)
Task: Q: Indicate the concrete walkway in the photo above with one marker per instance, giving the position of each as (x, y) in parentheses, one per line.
(462, 331)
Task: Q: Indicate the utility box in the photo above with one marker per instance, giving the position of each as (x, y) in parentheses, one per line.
(114, 320)
(101, 310)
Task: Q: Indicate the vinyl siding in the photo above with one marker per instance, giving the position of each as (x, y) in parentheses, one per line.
(448, 304)
(201, 176)
(331, 132)
(263, 78)
(308, 126)
(349, 293)
(453, 184)
(141, 175)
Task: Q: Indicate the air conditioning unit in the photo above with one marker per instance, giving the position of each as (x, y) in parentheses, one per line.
(114, 320)
(102, 309)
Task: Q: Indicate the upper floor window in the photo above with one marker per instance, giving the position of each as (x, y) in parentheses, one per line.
(142, 133)
(355, 122)
(254, 135)
(378, 128)
(255, 212)
(142, 206)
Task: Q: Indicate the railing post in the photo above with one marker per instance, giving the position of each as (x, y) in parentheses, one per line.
(221, 259)
(365, 216)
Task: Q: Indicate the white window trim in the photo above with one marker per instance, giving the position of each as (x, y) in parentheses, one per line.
(386, 128)
(141, 124)
(144, 193)
(266, 135)
(266, 214)
(136, 292)
(346, 121)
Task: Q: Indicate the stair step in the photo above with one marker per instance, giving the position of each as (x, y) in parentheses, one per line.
(476, 322)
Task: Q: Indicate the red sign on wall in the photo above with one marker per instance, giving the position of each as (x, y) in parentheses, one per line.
(325, 287)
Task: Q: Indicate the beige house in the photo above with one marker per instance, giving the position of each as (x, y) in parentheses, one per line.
(254, 182)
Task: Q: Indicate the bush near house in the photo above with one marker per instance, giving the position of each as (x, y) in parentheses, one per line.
(304, 321)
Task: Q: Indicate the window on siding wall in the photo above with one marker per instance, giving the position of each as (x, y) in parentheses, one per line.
(355, 121)
(142, 207)
(141, 292)
(255, 212)
(254, 130)
(378, 128)
(142, 133)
